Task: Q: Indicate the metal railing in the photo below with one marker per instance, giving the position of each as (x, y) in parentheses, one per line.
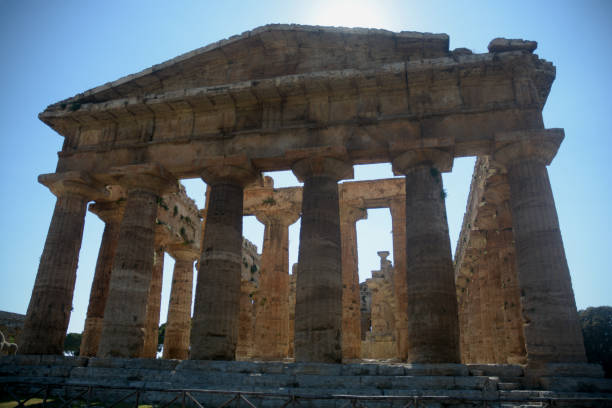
(59, 395)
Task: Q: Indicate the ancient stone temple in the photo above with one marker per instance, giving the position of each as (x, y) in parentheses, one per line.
(316, 101)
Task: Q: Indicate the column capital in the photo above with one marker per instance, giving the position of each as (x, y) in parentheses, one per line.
(540, 145)
(285, 216)
(237, 170)
(77, 183)
(322, 166)
(150, 177)
(352, 214)
(108, 211)
(183, 252)
(440, 159)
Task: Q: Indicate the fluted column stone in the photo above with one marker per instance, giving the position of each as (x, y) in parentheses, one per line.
(178, 326)
(318, 309)
(271, 334)
(111, 213)
(433, 326)
(552, 328)
(397, 207)
(149, 349)
(50, 305)
(215, 319)
(123, 335)
(351, 313)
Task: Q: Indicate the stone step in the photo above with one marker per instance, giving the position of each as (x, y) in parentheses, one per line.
(577, 384)
(509, 386)
(497, 370)
(204, 379)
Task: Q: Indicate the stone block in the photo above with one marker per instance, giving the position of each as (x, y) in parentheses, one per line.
(108, 362)
(377, 381)
(391, 370)
(21, 359)
(331, 381)
(568, 370)
(9, 369)
(360, 369)
(272, 367)
(500, 370)
(151, 364)
(60, 371)
(436, 369)
(34, 371)
(474, 383)
(423, 382)
(507, 44)
(577, 384)
(315, 368)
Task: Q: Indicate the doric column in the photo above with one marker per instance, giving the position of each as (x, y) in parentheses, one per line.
(318, 309)
(123, 334)
(151, 336)
(552, 329)
(397, 207)
(271, 335)
(351, 315)
(49, 310)
(433, 327)
(178, 326)
(217, 300)
(111, 213)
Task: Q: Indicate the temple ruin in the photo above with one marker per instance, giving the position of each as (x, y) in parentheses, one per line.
(316, 101)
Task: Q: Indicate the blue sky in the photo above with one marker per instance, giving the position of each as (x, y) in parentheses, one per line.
(53, 50)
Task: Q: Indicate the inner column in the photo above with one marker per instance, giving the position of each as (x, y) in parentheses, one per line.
(123, 331)
(178, 327)
(351, 313)
(318, 309)
(433, 326)
(111, 213)
(215, 318)
(154, 304)
(397, 207)
(272, 322)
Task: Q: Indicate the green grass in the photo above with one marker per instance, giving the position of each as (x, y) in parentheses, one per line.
(37, 402)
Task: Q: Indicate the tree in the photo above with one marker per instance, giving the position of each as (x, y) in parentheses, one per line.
(72, 344)
(597, 331)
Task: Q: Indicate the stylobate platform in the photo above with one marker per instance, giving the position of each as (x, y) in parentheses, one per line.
(311, 384)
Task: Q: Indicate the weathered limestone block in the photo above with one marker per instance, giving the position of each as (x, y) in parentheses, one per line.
(351, 316)
(433, 332)
(507, 44)
(487, 289)
(318, 309)
(552, 328)
(111, 213)
(271, 334)
(215, 320)
(178, 323)
(50, 305)
(178, 220)
(124, 334)
(154, 304)
(380, 342)
(365, 309)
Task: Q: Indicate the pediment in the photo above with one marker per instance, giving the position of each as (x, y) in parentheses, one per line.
(272, 51)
